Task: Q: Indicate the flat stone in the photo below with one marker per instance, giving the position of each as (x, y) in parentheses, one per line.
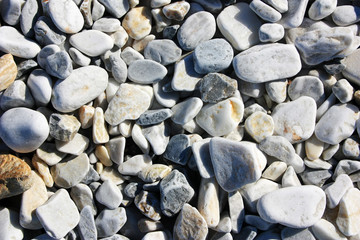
(265, 11)
(10, 228)
(336, 191)
(162, 51)
(16, 44)
(49, 154)
(8, 71)
(87, 42)
(116, 148)
(134, 165)
(185, 111)
(264, 63)
(76, 146)
(175, 191)
(151, 117)
(68, 174)
(82, 86)
(116, 8)
(271, 32)
(197, 28)
(137, 22)
(154, 173)
(66, 16)
(215, 87)
(100, 134)
(295, 13)
(11, 11)
(320, 9)
(221, 118)
(307, 86)
(259, 125)
(118, 67)
(13, 129)
(47, 33)
(346, 15)
(139, 139)
(201, 153)
(63, 127)
(208, 201)
(315, 177)
(351, 72)
(275, 171)
(239, 25)
(109, 195)
(87, 227)
(343, 91)
(109, 222)
(130, 55)
(178, 149)
(146, 71)
(158, 137)
(295, 120)
(249, 162)
(59, 65)
(339, 116)
(40, 85)
(325, 230)
(148, 204)
(16, 95)
(348, 217)
(32, 199)
(82, 196)
(43, 170)
(107, 25)
(58, 215)
(296, 207)
(190, 223)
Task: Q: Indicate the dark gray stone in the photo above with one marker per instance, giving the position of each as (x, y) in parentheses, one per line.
(334, 67)
(170, 31)
(63, 127)
(91, 176)
(146, 71)
(110, 222)
(132, 189)
(162, 51)
(59, 65)
(178, 149)
(151, 117)
(296, 234)
(315, 177)
(28, 17)
(258, 222)
(213, 6)
(215, 87)
(45, 52)
(175, 191)
(47, 33)
(246, 233)
(86, 226)
(25, 66)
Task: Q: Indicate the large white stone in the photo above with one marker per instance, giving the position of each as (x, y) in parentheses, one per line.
(295, 14)
(348, 219)
(320, 9)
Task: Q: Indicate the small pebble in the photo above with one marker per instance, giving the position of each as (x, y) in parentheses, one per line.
(320, 9)
(82, 196)
(148, 204)
(76, 146)
(109, 222)
(109, 195)
(176, 10)
(307, 86)
(215, 87)
(164, 51)
(271, 32)
(336, 191)
(86, 42)
(294, 15)
(351, 72)
(17, 95)
(343, 91)
(315, 177)
(146, 71)
(63, 127)
(259, 125)
(137, 22)
(275, 171)
(265, 11)
(185, 111)
(107, 25)
(47, 33)
(346, 15)
(87, 227)
(325, 230)
(154, 173)
(178, 149)
(290, 178)
(292, 234)
(348, 217)
(43, 170)
(135, 164)
(115, 8)
(8, 71)
(40, 85)
(208, 201)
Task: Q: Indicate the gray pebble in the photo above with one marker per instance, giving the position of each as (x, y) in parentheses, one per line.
(175, 191)
(151, 117)
(40, 85)
(351, 71)
(132, 189)
(346, 167)
(296, 234)
(307, 86)
(109, 195)
(82, 196)
(169, 32)
(86, 227)
(334, 68)
(28, 17)
(315, 177)
(346, 15)
(213, 6)
(336, 191)
(118, 67)
(254, 90)
(98, 10)
(186, 110)
(148, 204)
(146, 71)
(110, 222)
(107, 25)
(164, 97)
(178, 149)
(59, 65)
(16, 95)
(265, 11)
(158, 136)
(162, 51)
(130, 55)
(115, 7)
(116, 148)
(63, 127)
(88, 41)
(79, 58)
(271, 32)
(24, 67)
(343, 91)
(91, 176)
(11, 11)
(45, 52)
(276, 90)
(47, 33)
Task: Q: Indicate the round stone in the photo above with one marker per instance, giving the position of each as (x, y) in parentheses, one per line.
(40, 85)
(137, 22)
(307, 86)
(259, 125)
(162, 51)
(146, 71)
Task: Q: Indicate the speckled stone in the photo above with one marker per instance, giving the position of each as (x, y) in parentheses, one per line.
(151, 117)
(137, 22)
(154, 173)
(178, 149)
(47, 33)
(148, 204)
(259, 125)
(8, 71)
(63, 127)
(215, 87)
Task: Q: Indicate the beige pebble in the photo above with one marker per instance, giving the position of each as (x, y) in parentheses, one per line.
(275, 171)
(125, 128)
(154, 172)
(8, 71)
(348, 219)
(99, 167)
(139, 45)
(109, 173)
(75, 146)
(313, 148)
(259, 125)
(176, 10)
(100, 134)
(43, 170)
(137, 22)
(86, 114)
(103, 155)
(208, 201)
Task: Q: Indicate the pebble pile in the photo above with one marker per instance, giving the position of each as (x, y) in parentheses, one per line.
(184, 120)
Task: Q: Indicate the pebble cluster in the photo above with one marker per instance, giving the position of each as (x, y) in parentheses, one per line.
(160, 119)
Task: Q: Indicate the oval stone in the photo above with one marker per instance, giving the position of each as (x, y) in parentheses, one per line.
(23, 130)
(82, 86)
(296, 207)
(146, 71)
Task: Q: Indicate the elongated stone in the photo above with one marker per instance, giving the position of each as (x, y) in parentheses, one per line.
(87, 42)
(8, 71)
(146, 71)
(348, 217)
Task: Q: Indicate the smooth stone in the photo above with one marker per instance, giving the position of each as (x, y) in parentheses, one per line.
(197, 28)
(146, 71)
(176, 10)
(295, 13)
(163, 51)
(239, 25)
(82, 196)
(295, 120)
(160, 235)
(329, 152)
(16, 44)
(185, 77)
(325, 230)
(258, 222)
(190, 224)
(159, 3)
(47, 33)
(120, 37)
(58, 215)
(280, 5)
(185, 111)
(118, 67)
(321, 9)
(290, 178)
(76, 146)
(264, 63)
(277, 90)
(69, 174)
(351, 72)
(87, 42)
(248, 163)
(334, 68)
(265, 11)
(10, 228)
(351, 149)
(337, 124)
(13, 129)
(100, 134)
(343, 91)
(85, 9)
(148, 204)
(315, 177)
(66, 16)
(109, 195)
(213, 6)
(201, 153)
(346, 15)
(46, 52)
(271, 32)
(8, 71)
(43, 170)
(139, 139)
(215, 87)
(221, 118)
(158, 136)
(259, 125)
(160, 19)
(107, 25)
(98, 9)
(129, 103)
(102, 154)
(137, 22)
(254, 90)
(115, 8)
(336, 191)
(175, 191)
(178, 149)
(317, 164)
(63, 127)
(151, 117)
(170, 32)
(116, 148)
(130, 55)
(16, 95)
(91, 176)
(110, 173)
(165, 98)
(79, 58)
(225, 224)
(212, 56)
(208, 201)
(135, 164)
(307, 86)
(49, 154)
(296, 207)
(275, 171)
(346, 167)
(146, 225)
(82, 86)
(313, 148)
(293, 234)
(109, 222)
(11, 11)
(40, 85)
(236, 211)
(87, 228)
(59, 65)
(154, 173)
(349, 213)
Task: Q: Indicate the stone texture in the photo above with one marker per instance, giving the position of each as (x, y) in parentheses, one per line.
(176, 10)
(148, 204)
(63, 127)
(137, 22)
(349, 213)
(109, 222)
(215, 87)
(8, 71)
(146, 71)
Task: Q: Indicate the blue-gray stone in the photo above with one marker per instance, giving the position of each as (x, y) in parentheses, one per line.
(162, 51)
(28, 17)
(258, 222)
(40, 85)
(315, 177)
(215, 87)
(110, 222)
(86, 226)
(178, 149)
(335, 67)
(116, 237)
(91, 176)
(146, 71)
(271, 234)
(118, 67)
(16, 95)
(213, 6)
(132, 189)
(346, 167)
(11, 11)
(214, 55)
(169, 32)
(296, 234)
(59, 65)
(24, 67)
(246, 233)
(117, 8)
(152, 117)
(47, 33)
(307, 86)
(175, 191)
(45, 52)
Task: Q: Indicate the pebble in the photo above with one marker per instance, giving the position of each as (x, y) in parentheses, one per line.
(43, 170)
(346, 167)
(137, 22)
(208, 201)
(86, 42)
(86, 115)
(163, 51)
(197, 28)
(221, 118)
(296, 207)
(295, 13)
(275, 171)
(116, 147)
(109, 173)
(176, 10)
(82, 196)
(8, 71)
(264, 63)
(307, 86)
(313, 148)
(152, 117)
(236, 211)
(293, 234)
(79, 58)
(248, 163)
(348, 217)
(100, 134)
(76, 146)
(109, 195)
(13, 129)
(40, 85)
(259, 125)
(135, 164)
(148, 204)
(146, 71)
(11, 11)
(120, 37)
(271, 32)
(110, 221)
(343, 91)
(59, 64)
(190, 224)
(336, 191)
(346, 15)
(130, 55)
(325, 230)
(175, 191)
(154, 172)
(213, 6)
(239, 25)
(86, 226)
(215, 87)
(103, 155)
(146, 225)
(47, 33)
(280, 5)
(107, 25)
(315, 177)
(10, 228)
(63, 127)
(339, 116)
(351, 148)
(58, 215)
(213, 56)
(160, 19)
(178, 149)
(169, 32)
(185, 111)
(24, 67)
(276, 90)
(265, 11)
(16, 95)
(321, 9)
(351, 72)
(201, 153)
